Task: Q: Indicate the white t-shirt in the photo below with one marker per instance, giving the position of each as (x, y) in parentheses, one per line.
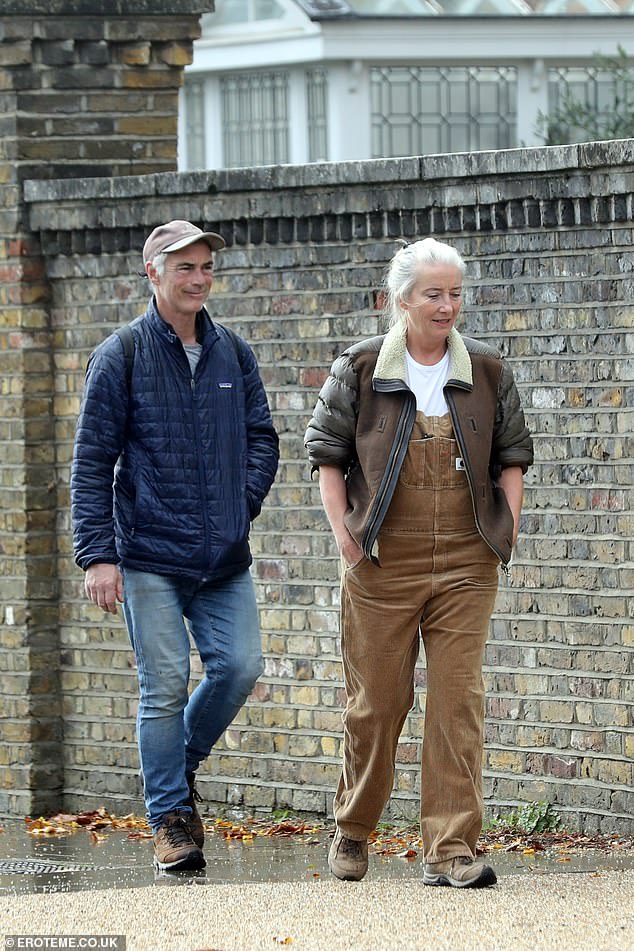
(427, 385)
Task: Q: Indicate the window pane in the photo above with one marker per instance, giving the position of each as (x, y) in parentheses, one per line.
(316, 91)
(241, 11)
(195, 124)
(418, 111)
(591, 87)
(255, 118)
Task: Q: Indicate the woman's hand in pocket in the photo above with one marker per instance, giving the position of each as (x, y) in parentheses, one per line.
(350, 552)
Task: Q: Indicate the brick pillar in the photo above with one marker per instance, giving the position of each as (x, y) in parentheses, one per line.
(81, 95)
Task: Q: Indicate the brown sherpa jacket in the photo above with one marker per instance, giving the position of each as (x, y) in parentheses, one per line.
(364, 417)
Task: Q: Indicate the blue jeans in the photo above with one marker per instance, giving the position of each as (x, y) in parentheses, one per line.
(176, 731)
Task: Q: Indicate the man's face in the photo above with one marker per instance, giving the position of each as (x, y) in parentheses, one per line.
(184, 286)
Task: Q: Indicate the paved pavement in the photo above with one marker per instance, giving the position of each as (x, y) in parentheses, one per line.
(278, 892)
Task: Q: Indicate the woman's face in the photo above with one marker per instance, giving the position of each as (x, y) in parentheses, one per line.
(434, 302)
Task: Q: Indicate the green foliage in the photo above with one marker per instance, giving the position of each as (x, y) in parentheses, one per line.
(531, 818)
(575, 121)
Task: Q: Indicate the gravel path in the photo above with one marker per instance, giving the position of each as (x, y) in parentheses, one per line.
(532, 912)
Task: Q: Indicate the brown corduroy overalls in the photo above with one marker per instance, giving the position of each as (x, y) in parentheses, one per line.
(439, 578)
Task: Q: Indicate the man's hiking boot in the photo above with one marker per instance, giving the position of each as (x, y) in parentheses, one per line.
(461, 872)
(194, 822)
(348, 858)
(174, 848)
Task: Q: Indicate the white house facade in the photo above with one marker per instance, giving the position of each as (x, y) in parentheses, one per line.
(295, 81)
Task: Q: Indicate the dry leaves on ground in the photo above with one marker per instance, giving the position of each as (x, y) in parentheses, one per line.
(405, 843)
(96, 822)
(251, 828)
(388, 840)
(560, 843)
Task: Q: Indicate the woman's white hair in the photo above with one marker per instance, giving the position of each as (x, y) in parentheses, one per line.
(404, 268)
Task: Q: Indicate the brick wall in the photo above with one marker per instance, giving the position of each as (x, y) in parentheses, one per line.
(548, 238)
(81, 95)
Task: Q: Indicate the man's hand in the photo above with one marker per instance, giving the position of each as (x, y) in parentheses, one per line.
(104, 586)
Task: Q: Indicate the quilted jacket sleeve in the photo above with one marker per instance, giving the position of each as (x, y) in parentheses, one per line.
(98, 443)
(330, 436)
(262, 440)
(512, 443)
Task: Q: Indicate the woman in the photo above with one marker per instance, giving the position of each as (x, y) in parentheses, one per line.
(421, 447)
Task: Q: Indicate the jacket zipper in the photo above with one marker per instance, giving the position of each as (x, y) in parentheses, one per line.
(386, 488)
(201, 475)
(467, 463)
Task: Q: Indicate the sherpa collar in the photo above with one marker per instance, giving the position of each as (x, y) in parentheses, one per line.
(390, 364)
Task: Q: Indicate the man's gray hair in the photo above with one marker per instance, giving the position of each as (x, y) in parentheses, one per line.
(159, 262)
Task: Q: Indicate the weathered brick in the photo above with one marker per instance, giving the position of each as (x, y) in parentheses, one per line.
(133, 54)
(16, 53)
(174, 54)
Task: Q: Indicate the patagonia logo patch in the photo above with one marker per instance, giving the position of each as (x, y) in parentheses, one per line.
(225, 386)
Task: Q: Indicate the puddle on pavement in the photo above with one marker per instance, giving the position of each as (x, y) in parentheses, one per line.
(75, 862)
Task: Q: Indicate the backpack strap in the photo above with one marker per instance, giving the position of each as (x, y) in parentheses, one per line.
(233, 337)
(126, 337)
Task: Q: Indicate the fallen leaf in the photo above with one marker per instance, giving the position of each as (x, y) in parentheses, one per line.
(286, 828)
(238, 832)
(43, 826)
(64, 823)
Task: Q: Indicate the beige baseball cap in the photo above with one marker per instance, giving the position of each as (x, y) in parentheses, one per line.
(175, 235)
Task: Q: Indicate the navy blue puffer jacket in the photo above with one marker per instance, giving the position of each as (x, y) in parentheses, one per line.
(191, 459)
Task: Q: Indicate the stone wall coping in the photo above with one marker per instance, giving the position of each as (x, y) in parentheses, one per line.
(459, 165)
(95, 8)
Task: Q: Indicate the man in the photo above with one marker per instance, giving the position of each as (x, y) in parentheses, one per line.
(173, 458)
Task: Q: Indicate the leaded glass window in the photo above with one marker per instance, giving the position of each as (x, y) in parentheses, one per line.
(426, 110)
